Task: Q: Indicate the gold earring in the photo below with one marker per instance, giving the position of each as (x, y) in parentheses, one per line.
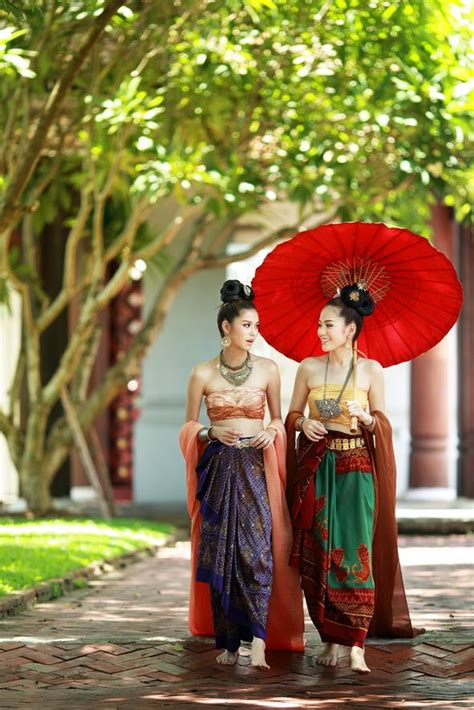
(348, 344)
(226, 341)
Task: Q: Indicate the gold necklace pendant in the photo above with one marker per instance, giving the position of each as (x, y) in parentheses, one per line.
(330, 407)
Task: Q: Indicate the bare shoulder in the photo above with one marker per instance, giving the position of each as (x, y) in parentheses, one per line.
(311, 364)
(266, 364)
(203, 370)
(371, 367)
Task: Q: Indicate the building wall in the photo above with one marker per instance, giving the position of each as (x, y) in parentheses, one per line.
(10, 337)
(189, 336)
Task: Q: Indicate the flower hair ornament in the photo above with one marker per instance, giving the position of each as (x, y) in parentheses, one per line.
(357, 297)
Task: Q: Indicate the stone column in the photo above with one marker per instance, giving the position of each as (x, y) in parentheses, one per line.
(429, 416)
(466, 363)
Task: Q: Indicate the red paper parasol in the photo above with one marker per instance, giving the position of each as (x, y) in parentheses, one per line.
(415, 288)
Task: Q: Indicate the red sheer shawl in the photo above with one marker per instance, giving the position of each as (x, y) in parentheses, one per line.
(285, 616)
(391, 616)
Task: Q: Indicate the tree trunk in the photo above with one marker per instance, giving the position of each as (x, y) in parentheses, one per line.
(35, 488)
(35, 483)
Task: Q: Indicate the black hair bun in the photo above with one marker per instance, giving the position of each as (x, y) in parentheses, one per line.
(233, 290)
(358, 298)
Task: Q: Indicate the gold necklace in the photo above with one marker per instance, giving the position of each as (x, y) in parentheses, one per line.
(235, 375)
(329, 408)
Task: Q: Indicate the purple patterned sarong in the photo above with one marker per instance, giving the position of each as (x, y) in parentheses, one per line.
(235, 556)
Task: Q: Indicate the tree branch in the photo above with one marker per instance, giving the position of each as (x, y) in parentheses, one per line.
(14, 391)
(138, 215)
(165, 238)
(12, 207)
(32, 349)
(13, 436)
(11, 150)
(71, 356)
(7, 426)
(67, 291)
(60, 439)
(217, 261)
(81, 381)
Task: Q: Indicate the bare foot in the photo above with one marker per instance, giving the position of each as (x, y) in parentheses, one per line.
(227, 658)
(358, 663)
(329, 656)
(257, 656)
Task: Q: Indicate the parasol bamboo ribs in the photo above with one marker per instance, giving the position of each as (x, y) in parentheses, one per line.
(354, 420)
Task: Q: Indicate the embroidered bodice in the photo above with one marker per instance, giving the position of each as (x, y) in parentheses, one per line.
(236, 403)
(332, 392)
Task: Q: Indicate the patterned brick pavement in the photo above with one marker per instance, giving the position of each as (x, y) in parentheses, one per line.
(123, 643)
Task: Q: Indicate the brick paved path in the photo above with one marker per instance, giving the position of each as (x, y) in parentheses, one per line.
(123, 643)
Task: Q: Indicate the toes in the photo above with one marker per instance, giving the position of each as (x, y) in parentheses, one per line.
(328, 662)
(226, 658)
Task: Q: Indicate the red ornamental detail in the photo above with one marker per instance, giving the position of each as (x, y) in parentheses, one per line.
(319, 504)
(326, 561)
(364, 572)
(320, 523)
(337, 557)
(125, 324)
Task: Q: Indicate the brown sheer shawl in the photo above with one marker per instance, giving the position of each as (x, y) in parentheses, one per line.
(391, 616)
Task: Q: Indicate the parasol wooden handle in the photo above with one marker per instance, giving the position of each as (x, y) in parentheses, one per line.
(354, 420)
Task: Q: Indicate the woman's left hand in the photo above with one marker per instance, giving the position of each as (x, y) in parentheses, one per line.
(264, 439)
(355, 410)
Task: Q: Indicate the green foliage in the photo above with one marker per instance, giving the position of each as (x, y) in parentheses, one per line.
(14, 60)
(362, 104)
(20, 10)
(5, 294)
(351, 106)
(35, 551)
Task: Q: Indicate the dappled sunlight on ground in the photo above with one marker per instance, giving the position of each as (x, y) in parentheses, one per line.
(124, 642)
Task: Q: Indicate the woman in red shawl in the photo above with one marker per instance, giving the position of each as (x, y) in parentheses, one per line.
(242, 588)
(341, 489)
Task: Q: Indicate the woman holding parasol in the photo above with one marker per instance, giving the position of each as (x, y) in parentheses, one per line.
(339, 566)
(339, 285)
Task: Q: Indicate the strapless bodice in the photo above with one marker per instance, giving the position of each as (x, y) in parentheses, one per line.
(332, 392)
(236, 403)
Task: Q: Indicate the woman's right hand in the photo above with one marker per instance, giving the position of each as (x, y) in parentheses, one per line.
(313, 429)
(226, 435)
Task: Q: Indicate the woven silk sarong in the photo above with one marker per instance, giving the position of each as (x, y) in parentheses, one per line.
(235, 556)
(335, 555)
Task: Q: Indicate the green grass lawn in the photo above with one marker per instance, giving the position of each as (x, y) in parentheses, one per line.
(35, 551)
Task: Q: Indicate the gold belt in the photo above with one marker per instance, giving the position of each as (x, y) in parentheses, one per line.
(357, 442)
